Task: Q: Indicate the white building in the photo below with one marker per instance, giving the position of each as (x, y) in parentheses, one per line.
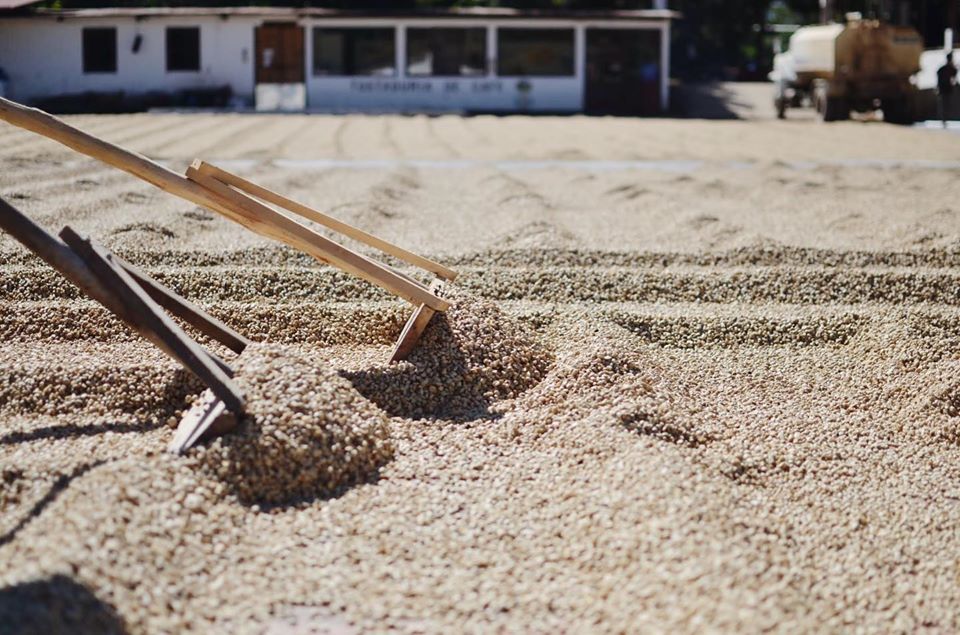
(489, 60)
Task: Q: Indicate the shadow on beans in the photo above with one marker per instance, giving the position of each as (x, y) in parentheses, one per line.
(53, 606)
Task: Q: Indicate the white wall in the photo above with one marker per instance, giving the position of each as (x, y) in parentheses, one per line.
(43, 57)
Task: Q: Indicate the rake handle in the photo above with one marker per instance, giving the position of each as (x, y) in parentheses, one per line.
(292, 233)
(136, 164)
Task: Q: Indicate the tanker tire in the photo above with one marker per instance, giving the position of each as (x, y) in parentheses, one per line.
(830, 108)
(898, 111)
(833, 109)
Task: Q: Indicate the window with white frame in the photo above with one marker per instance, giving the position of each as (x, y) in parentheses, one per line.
(345, 51)
(446, 52)
(535, 52)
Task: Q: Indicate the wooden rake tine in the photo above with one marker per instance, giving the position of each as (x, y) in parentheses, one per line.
(208, 417)
(416, 324)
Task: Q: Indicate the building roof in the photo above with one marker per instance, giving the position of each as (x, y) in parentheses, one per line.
(480, 13)
(14, 4)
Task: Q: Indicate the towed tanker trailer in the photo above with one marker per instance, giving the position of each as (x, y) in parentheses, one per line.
(858, 66)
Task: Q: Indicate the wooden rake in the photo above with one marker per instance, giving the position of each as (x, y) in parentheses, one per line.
(241, 201)
(139, 301)
(247, 203)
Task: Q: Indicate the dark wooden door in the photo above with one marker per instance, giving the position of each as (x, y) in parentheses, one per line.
(279, 53)
(623, 72)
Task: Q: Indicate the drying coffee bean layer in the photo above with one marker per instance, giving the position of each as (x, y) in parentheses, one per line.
(717, 399)
(305, 432)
